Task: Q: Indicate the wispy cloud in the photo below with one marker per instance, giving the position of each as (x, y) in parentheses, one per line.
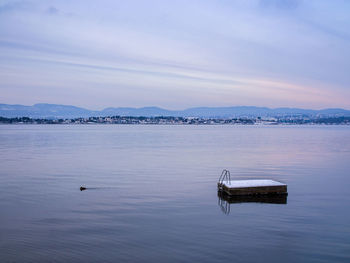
(273, 53)
(280, 4)
(52, 10)
(11, 6)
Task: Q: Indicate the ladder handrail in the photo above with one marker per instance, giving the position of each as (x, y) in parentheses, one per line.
(222, 173)
(225, 175)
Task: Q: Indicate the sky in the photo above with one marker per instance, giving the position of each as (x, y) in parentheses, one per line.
(176, 54)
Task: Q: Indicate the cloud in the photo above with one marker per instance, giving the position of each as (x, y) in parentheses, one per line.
(52, 10)
(225, 50)
(280, 4)
(11, 6)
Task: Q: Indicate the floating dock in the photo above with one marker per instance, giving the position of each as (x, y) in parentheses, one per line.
(249, 187)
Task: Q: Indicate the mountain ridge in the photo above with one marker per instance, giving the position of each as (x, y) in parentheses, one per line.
(46, 110)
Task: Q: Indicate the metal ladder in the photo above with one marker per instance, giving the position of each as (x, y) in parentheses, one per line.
(224, 205)
(225, 176)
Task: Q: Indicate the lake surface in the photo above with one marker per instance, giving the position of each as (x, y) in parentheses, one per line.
(153, 195)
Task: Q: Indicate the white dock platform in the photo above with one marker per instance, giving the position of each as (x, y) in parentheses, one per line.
(251, 183)
(252, 187)
(249, 187)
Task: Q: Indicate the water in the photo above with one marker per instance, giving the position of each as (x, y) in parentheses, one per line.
(153, 194)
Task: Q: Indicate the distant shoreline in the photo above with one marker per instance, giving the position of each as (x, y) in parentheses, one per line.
(161, 120)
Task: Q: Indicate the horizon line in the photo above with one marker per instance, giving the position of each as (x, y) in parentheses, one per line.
(192, 107)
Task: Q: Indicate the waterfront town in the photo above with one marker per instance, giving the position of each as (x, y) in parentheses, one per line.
(165, 120)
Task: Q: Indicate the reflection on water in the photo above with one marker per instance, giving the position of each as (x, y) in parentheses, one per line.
(225, 200)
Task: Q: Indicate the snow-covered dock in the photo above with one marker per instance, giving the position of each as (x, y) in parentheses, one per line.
(249, 187)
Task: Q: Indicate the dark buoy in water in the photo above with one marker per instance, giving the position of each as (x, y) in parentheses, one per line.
(82, 188)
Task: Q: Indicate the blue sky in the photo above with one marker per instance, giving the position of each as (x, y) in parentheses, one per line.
(176, 54)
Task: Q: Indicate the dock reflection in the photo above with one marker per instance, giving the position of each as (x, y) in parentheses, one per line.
(225, 200)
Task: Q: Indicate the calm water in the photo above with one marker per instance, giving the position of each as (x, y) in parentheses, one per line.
(153, 194)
